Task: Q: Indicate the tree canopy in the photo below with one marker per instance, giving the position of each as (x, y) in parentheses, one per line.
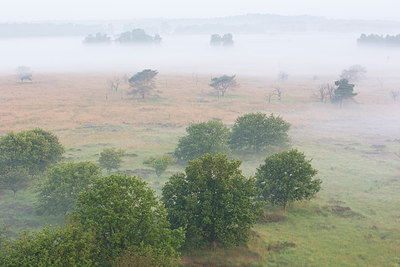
(344, 91)
(213, 200)
(111, 158)
(223, 83)
(142, 83)
(286, 177)
(205, 137)
(124, 213)
(256, 131)
(59, 246)
(33, 150)
(59, 190)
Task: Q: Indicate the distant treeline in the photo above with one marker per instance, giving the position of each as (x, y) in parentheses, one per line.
(376, 39)
(136, 36)
(46, 29)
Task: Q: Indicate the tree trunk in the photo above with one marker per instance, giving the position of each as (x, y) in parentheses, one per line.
(284, 206)
(15, 193)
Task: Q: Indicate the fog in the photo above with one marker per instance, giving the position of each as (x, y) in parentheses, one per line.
(259, 55)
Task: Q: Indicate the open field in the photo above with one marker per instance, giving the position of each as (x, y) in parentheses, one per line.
(355, 219)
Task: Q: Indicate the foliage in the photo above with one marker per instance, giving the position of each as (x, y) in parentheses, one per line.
(225, 40)
(97, 38)
(343, 91)
(286, 177)
(256, 131)
(138, 36)
(14, 179)
(68, 246)
(376, 39)
(124, 213)
(24, 73)
(33, 150)
(223, 83)
(159, 163)
(205, 137)
(142, 83)
(59, 190)
(213, 200)
(353, 73)
(111, 158)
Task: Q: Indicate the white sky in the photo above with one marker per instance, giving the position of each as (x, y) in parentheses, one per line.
(26, 10)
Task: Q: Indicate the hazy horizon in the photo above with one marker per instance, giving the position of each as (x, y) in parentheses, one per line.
(74, 10)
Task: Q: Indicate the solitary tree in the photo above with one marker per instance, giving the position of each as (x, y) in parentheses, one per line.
(124, 213)
(24, 73)
(33, 150)
(223, 83)
(286, 177)
(256, 131)
(213, 200)
(60, 188)
(142, 83)
(111, 158)
(343, 91)
(14, 178)
(159, 163)
(205, 137)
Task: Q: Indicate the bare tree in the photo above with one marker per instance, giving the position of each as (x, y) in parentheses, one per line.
(276, 91)
(324, 93)
(114, 83)
(394, 94)
(353, 73)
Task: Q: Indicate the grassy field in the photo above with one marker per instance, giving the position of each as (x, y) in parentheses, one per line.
(355, 219)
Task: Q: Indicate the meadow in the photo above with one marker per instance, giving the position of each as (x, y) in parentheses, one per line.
(355, 219)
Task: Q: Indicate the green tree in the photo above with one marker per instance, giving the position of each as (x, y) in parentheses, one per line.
(213, 200)
(142, 83)
(343, 91)
(286, 177)
(256, 131)
(159, 163)
(205, 137)
(124, 213)
(68, 246)
(111, 158)
(223, 83)
(60, 188)
(33, 150)
(14, 179)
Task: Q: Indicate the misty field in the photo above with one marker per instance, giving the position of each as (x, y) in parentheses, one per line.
(355, 219)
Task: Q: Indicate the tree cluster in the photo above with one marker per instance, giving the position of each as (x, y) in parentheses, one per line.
(253, 132)
(97, 39)
(218, 40)
(376, 39)
(138, 36)
(119, 220)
